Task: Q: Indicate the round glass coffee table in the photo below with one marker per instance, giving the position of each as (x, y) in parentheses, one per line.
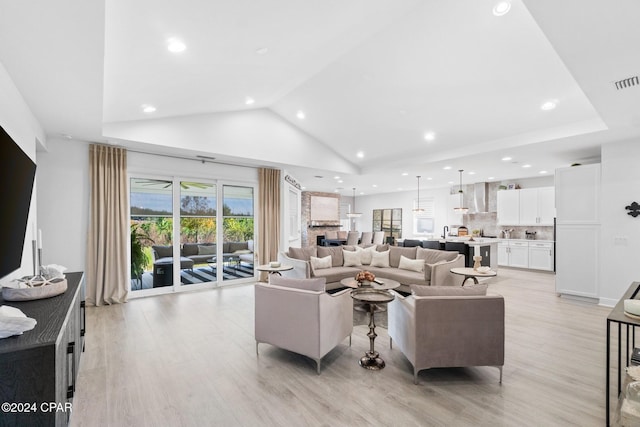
(372, 298)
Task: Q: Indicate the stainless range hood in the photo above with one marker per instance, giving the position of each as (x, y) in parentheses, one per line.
(481, 197)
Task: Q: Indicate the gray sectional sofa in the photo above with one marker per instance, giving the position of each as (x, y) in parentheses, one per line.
(200, 253)
(408, 266)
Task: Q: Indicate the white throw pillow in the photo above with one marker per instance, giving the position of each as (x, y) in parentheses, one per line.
(366, 253)
(380, 259)
(320, 263)
(411, 264)
(351, 258)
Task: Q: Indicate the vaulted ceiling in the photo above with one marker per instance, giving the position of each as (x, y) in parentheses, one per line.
(389, 89)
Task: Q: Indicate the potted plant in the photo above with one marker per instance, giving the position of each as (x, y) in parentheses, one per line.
(139, 258)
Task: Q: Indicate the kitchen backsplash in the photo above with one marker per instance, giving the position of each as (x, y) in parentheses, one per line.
(487, 223)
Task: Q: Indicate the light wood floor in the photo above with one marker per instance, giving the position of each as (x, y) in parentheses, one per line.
(189, 360)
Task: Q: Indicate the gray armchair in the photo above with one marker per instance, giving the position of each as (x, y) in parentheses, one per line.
(448, 330)
(299, 316)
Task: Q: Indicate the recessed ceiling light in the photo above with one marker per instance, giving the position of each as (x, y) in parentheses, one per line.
(543, 172)
(176, 46)
(399, 188)
(300, 114)
(450, 182)
(249, 100)
(526, 166)
(336, 190)
(405, 173)
(262, 50)
(472, 173)
(429, 178)
(340, 181)
(374, 185)
(549, 105)
(360, 154)
(446, 168)
(336, 177)
(148, 108)
(430, 136)
(362, 193)
(501, 8)
(506, 159)
(492, 177)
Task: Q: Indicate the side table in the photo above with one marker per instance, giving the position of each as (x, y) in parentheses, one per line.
(274, 270)
(372, 297)
(470, 273)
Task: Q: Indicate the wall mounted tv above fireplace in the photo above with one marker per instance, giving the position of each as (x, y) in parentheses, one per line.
(17, 174)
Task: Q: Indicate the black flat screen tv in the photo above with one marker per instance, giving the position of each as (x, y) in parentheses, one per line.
(17, 174)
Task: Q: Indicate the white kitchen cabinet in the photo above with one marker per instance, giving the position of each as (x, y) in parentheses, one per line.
(577, 254)
(508, 207)
(541, 256)
(578, 195)
(537, 206)
(519, 254)
(513, 254)
(528, 206)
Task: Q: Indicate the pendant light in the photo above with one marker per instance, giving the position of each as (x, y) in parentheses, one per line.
(418, 209)
(461, 209)
(354, 214)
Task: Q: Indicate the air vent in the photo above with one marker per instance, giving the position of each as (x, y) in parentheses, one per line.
(627, 83)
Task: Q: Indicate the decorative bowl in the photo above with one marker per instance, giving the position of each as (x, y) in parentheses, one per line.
(274, 264)
(484, 269)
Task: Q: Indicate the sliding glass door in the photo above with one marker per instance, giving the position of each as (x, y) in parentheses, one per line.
(151, 214)
(198, 208)
(164, 211)
(238, 229)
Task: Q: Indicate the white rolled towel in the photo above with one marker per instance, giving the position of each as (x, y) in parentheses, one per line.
(632, 306)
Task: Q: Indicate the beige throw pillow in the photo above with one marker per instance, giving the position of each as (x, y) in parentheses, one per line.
(380, 259)
(411, 264)
(351, 258)
(320, 263)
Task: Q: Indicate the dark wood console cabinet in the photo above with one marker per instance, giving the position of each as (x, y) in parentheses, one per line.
(39, 368)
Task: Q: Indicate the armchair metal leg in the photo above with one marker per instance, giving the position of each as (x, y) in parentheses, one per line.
(349, 340)
(390, 343)
(318, 361)
(500, 367)
(257, 347)
(415, 376)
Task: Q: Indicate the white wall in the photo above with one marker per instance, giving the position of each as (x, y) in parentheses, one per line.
(403, 200)
(63, 209)
(19, 122)
(620, 239)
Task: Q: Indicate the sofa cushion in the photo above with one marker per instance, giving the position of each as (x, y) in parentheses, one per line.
(206, 250)
(411, 264)
(320, 263)
(335, 274)
(405, 277)
(366, 254)
(396, 252)
(189, 249)
(317, 284)
(380, 259)
(336, 254)
(351, 258)
(237, 246)
(448, 291)
(302, 253)
(432, 256)
(163, 251)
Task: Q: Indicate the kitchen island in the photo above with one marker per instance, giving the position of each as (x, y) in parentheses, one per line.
(487, 247)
